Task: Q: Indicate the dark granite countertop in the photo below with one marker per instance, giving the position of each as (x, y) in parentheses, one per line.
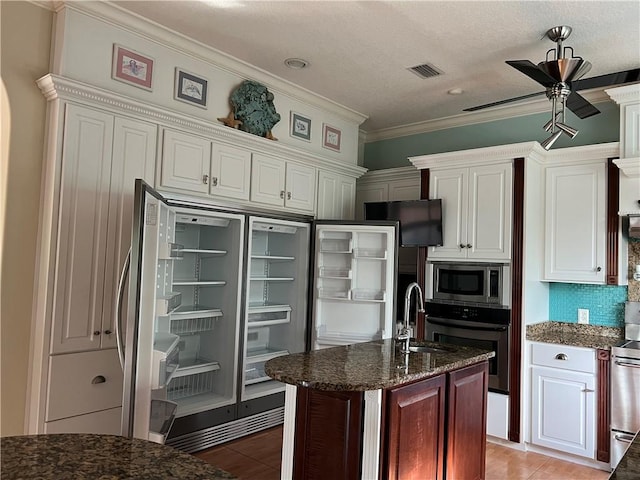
(369, 366)
(105, 457)
(629, 466)
(575, 334)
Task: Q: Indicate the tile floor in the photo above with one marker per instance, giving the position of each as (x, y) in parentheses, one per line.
(257, 457)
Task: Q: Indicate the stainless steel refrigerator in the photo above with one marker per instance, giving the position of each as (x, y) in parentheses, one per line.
(214, 294)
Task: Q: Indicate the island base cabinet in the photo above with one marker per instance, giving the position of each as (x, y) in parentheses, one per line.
(327, 434)
(467, 422)
(415, 417)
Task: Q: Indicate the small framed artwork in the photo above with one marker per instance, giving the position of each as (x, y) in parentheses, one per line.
(190, 88)
(331, 137)
(132, 67)
(300, 126)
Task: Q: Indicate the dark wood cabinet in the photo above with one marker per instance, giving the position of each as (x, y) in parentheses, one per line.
(328, 435)
(413, 446)
(466, 422)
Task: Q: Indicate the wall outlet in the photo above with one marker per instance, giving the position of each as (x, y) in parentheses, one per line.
(583, 315)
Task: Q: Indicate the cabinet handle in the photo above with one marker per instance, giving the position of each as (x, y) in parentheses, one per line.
(282, 194)
(562, 356)
(588, 390)
(97, 332)
(598, 269)
(205, 179)
(107, 332)
(214, 181)
(462, 245)
(98, 379)
(468, 245)
(288, 195)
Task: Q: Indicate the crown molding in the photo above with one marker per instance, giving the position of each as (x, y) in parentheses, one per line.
(629, 166)
(55, 87)
(583, 154)
(497, 113)
(625, 94)
(390, 175)
(141, 26)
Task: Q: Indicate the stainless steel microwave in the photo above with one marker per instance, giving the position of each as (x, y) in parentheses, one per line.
(486, 284)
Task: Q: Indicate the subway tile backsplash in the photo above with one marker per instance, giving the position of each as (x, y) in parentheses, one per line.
(604, 302)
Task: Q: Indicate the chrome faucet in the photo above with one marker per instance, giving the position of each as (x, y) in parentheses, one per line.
(404, 336)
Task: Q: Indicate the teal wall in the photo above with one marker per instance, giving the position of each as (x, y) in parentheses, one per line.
(605, 303)
(601, 128)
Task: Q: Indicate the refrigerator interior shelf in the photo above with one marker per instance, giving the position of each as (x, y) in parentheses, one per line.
(364, 294)
(195, 311)
(263, 306)
(265, 318)
(334, 293)
(195, 367)
(201, 283)
(264, 354)
(185, 326)
(260, 389)
(167, 303)
(201, 251)
(325, 337)
(273, 258)
(190, 386)
(335, 272)
(370, 253)
(164, 342)
(273, 279)
(170, 251)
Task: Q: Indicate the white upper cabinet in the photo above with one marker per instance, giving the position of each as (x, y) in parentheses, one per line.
(476, 212)
(185, 161)
(390, 184)
(575, 231)
(336, 196)
(230, 172)
(283, 184)
(101, 157)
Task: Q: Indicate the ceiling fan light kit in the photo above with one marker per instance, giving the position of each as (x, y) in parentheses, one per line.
(560, 74)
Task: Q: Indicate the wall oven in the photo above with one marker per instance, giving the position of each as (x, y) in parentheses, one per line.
(469, 283)
(472, 326)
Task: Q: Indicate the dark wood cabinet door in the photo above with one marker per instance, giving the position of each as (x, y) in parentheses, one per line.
(413, 447)
(328, 438)
(466, 422)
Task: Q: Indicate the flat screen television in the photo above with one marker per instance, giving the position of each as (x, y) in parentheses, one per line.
(420, 220)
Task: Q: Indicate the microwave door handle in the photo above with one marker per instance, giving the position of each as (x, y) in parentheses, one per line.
(489, 329)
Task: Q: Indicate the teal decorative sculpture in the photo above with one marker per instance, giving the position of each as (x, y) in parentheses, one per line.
(253, 106)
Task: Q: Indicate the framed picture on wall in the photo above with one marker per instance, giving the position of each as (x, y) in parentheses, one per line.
(190, 88)
(132, 67)
(300, 127)
(331, 137)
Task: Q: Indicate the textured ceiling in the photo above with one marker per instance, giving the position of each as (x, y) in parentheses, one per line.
(359, 52)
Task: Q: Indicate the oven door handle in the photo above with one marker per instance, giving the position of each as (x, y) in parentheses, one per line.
(627, 364)
(486, 329)
(623, 438)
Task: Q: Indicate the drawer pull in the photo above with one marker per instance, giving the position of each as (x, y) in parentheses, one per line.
(562, 356)
(98, 379)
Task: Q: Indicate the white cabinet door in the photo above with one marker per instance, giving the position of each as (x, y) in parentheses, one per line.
(336, 196)
(404, 190)
(300, 187)
(489, 220)
(82, 230)
(476, 212)
(452, 187)
(185, 161)
(230, 172)
(563, 410)
(370, 193)
(134, 156)
(268, 180)
(575, 233)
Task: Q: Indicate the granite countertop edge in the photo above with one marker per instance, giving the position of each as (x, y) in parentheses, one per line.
(574, 334)
(286, 369)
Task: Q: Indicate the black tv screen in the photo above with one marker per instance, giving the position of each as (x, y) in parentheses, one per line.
(420, 220)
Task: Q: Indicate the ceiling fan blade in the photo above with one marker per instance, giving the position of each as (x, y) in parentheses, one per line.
(502, 102)
(580, 106)
(532, 71)
(626, 76)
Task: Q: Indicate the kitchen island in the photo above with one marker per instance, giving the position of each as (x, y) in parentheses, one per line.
(369, 411)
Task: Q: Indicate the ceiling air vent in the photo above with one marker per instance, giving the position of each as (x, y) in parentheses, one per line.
(425, 70)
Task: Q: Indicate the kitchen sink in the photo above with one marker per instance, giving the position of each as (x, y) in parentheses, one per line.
(426, 349)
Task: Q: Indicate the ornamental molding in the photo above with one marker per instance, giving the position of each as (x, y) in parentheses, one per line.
(625, 94)
(629, 166)
(391, 175)
(58, 88)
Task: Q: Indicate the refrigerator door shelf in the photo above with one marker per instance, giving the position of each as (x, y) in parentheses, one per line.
(370, 253)
(335, 272)
(334, 293)
(168, 303)
(170, 251)
(165, 358)
(369, 295)
(336, 245)
(265, 318)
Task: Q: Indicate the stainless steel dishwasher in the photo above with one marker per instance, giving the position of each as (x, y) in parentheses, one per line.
(625, 385)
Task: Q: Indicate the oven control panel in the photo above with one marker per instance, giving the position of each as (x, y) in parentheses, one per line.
(499, 316)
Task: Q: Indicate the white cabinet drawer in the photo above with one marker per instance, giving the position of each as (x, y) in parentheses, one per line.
(567, 357)
(84, 382)
(106, 422)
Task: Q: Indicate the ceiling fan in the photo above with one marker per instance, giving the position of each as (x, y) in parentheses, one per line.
(560, 75)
